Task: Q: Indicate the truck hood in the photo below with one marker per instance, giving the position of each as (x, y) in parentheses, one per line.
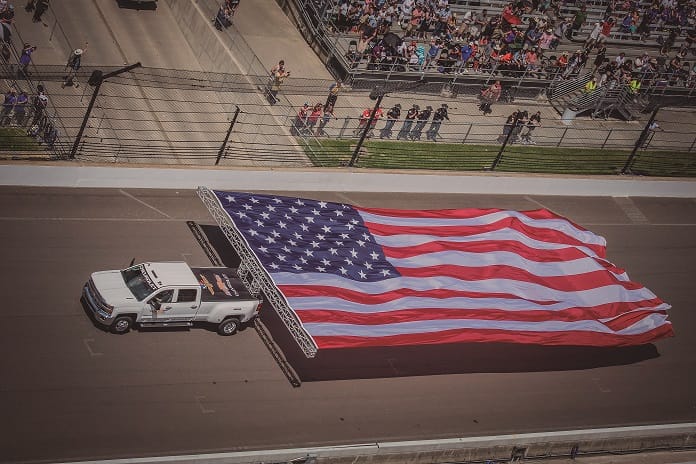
(112, 288)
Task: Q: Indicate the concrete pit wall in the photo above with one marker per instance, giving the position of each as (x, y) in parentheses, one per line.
(620, 440)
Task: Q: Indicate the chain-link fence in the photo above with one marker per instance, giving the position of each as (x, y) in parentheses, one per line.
(183, 117)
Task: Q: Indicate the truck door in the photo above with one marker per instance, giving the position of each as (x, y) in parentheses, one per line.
(154, 310)
(182, 307)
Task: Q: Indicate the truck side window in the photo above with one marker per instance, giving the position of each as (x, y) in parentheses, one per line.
(187, 294)
(164, 296)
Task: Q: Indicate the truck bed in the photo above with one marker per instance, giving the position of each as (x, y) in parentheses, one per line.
(220, 283)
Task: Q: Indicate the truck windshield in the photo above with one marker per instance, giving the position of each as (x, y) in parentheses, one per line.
(138, 282)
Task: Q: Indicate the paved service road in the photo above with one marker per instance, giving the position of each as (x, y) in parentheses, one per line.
(71, 391)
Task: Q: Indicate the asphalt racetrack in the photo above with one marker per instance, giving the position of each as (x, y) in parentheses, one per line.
(72, 391)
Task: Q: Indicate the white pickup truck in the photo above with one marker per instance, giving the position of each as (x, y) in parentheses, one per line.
(169, 294)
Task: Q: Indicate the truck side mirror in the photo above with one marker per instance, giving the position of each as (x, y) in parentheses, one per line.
(156, 305)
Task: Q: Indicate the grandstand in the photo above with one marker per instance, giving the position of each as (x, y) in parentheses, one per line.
(378, 42)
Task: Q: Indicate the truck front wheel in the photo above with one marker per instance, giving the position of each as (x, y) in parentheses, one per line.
(121, 325)
(228, 327)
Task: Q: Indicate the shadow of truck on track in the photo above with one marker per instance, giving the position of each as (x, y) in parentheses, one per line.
(405, 361)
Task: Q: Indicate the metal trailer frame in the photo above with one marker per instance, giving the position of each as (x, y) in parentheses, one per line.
(253, 274)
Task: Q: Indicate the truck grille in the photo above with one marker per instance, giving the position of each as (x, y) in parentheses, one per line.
(97, 298)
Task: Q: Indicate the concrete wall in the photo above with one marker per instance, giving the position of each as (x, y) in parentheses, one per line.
(476, 449)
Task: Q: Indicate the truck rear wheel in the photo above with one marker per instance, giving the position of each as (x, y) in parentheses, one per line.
(121, 325)
(228, 327)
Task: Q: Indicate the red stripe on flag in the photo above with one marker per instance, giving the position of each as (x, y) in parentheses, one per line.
(586, 281)
(573, 338)
(463, 213)
(329, 316)
(546, 235)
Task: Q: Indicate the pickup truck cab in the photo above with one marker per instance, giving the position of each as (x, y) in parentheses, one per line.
(169, 294)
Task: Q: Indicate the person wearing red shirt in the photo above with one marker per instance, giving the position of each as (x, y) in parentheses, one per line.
(606, 30)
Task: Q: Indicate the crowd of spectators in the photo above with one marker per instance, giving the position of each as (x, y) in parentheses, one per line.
(522, 39)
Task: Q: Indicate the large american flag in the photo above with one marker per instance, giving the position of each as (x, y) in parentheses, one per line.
(375, 277)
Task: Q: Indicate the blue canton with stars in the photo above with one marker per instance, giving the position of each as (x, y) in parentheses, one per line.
(307, 236)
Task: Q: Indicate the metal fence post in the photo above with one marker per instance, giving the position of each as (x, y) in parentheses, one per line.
(346, 121)
(499, 157)
(606, 139)
(643, 136)
(562, 137)
(467, 133)
(692, 145)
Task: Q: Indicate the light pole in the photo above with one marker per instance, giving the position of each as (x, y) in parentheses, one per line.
(96, 79)
(376, 94)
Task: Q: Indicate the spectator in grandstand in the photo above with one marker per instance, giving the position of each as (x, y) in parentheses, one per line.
(546, 39)
(392, 116)
(480, 22)
(408, 122)
(405, 10)
(365, 39)
(634, 84)
(605, 32)
(441, 19)
(433, 52)
(421, 121)
(325, 118)
(591, 85)
(561, 63)
(425, 22)
(620, 59)
(446, 60)
(593, 36)
(465, 54)
(531, 60)
(438, 117)
(600, 58)
(575, 64)
(415, 22)
(628, 23)
(578, 21)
